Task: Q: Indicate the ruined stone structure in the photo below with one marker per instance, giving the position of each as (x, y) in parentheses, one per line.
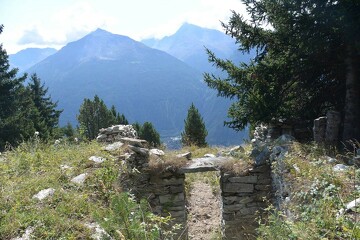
(327, 129)
(243, 196)
(243, 199)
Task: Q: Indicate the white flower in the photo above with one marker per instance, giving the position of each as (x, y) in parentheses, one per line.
(36, 133)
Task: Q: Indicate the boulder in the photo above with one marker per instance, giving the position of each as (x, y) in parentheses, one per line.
(44, 194)
(80, 179)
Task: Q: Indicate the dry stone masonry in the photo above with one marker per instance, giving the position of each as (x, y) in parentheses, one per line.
(115, 133)
(242, 200)
(243, 196)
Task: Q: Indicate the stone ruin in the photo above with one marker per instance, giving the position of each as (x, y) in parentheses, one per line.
(242, 195)
(326, 129)
(115, 133)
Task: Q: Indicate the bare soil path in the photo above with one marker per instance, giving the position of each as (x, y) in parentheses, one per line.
(204, 212)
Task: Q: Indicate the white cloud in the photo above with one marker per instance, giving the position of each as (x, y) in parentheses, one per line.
(56, 23)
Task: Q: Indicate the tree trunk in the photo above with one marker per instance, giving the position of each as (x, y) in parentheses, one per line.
(351, 125)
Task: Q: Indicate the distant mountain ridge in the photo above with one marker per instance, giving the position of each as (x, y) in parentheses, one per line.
(189, 44)
(28, 57)
(145, 84)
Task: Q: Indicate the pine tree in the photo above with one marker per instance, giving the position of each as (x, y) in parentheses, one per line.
(94, 115)
(47, 118)
(307, 63)
(148, 133)
(195, 131)
(15, 106)
(118, 118)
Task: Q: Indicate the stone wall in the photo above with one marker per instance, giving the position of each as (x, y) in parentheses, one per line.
(327, 129)
(165, 190)
(115, 133)
(243, 198)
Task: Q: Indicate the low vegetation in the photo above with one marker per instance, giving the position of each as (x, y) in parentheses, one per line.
(73, 208)
(317, 195)
(312, 210)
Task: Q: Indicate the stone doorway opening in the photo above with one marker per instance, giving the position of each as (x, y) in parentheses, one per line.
(203, 205)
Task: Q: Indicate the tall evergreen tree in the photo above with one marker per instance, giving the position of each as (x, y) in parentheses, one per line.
(94, 115)
(118, 118)
(195, 131)
(14, 104)
(148, 133)
(307, 62)
(48, 117)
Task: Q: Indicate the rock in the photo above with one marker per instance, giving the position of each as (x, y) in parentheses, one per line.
(236, 150)
(26, 235)
(330, 159)
(244, 179)
(238, 188)
(142, 151)
(101, 137)
(96, 159)
(100, 233)
(114, 146)
(80, 179)
(285, 139)
(353, 204)
(157, 152)
(262, 158)
(297, 169)
(209, 155)
(278, 153)
(349, 206)
(44, 193)
(116, 133)
(319, 129)
(134, 142)
(340, 167)
(65, 167)
(186, 155)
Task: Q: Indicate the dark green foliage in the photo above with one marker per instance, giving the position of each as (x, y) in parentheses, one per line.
(15, 107)
(304, 62)
(137, 127)
(94, 115)
(69, 131)
(47, 117)
(195, 131)
(149, 133)
(119, 119)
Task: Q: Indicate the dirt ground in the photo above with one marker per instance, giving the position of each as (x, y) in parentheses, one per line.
(203, 213)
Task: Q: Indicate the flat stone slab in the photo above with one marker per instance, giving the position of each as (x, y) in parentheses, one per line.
(133, 141)
(203, 164)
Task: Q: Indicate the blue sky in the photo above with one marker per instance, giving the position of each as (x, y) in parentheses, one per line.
(53, 23)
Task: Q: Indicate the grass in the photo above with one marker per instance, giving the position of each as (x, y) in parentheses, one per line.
(317, 194)
(35, 166)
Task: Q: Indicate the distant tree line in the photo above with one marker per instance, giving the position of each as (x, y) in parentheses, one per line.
(27, 110)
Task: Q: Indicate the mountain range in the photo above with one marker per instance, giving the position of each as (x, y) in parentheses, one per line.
(28, 57)
(155, 84)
